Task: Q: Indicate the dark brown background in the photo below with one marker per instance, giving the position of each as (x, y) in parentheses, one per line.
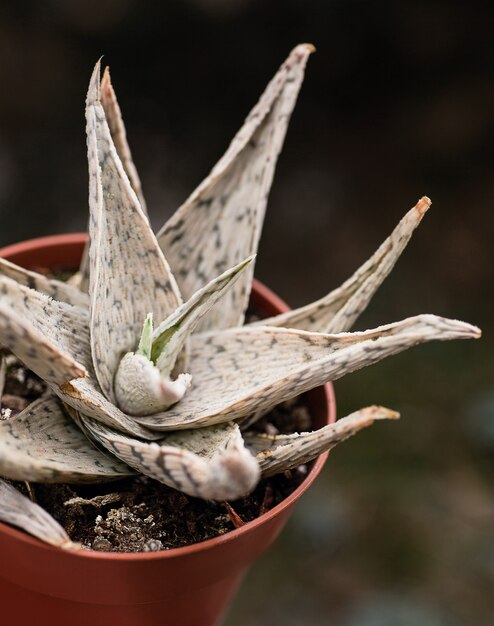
(397, 103)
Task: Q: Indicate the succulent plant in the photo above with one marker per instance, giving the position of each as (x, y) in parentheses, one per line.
(146, 371)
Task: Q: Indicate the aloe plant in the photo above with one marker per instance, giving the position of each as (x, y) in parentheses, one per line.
(146, 371)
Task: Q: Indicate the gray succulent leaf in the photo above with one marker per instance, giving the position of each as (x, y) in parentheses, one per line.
(279, 453)
(142, 381)
(19, 511)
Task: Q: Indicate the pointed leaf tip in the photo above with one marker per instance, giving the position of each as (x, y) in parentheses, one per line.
(121, 245)
(171, 335)
(381, 413)
(221, 221)
(307, 47)
(340, 308)
(450, 328)
(303, 361)
(106, 78)
(93, 92)
(423, 205)
(119, 134)
(277, 453)
(146, 341)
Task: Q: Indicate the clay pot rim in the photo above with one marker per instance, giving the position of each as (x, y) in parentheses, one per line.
(79, 239)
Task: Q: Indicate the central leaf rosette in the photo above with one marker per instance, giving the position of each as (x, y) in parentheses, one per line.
(147, 380)
(141, 359)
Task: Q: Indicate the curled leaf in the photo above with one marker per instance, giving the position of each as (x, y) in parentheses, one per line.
(210, 463)
(277, 453)
(141, 389)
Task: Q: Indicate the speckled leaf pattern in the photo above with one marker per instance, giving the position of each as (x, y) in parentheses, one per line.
(84, 394)
(210, 463)
(54, 288)
(170, 336)
(19, 511)
(143, 388)
(338, 311)
(220, 223)
(119, 134)
(241, 371)
(277, 453)
(50, 337)
(126, 387)
(129, 276)
(42, 444)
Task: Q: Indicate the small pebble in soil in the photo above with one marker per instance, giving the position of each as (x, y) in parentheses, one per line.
(153, 545)
(100, 544)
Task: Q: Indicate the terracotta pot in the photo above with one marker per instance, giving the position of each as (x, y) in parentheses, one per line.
(189, 586)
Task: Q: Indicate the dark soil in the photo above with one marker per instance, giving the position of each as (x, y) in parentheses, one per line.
(141, 514)
(21, 387)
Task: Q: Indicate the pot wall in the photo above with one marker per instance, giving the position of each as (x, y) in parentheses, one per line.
(189, 586)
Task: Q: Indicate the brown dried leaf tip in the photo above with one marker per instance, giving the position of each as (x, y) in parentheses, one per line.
(235, 518)
(148, 364)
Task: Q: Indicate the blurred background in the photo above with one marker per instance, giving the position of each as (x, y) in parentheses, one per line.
(398, 102)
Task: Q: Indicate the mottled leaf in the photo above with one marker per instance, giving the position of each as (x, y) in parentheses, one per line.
(210, 463)
(54, 288)
(220, 223)
(170, 336)
(129, 276)
(338, 311)
(240, 371)
(42, 444)
(147, 384)
(19, 511)
(50, 337)
(84, 394)
(277, 453)
(119, 134)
